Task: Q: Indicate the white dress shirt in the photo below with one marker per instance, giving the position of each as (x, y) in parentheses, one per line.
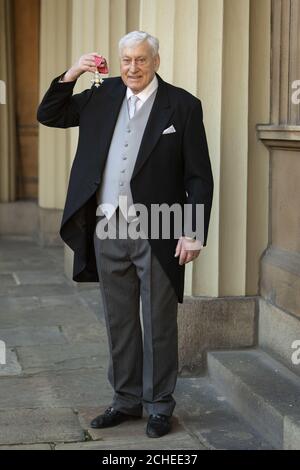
(144, 94)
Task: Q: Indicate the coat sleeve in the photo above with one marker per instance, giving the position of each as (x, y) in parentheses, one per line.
(59, 107)
(198, 178)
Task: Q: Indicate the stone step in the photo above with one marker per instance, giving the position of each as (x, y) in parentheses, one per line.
(264, 391)
(279, 334)
(207, 415)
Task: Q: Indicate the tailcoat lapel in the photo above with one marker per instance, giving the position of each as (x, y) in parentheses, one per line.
(158, 119)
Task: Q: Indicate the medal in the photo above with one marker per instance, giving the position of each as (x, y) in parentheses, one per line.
(102, 67)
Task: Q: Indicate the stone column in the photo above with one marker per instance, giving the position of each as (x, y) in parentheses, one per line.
(97, 26)
(7, 106)
(210, 41)
(53, 143)
(206, 50)
(178, 50)
(280, 276)
(258, 164)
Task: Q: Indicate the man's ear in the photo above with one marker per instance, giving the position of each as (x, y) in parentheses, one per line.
(157, 62)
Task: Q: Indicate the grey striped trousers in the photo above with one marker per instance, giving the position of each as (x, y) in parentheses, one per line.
(143, 359)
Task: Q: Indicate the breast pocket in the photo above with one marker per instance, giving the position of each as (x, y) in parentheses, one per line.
(170, 140)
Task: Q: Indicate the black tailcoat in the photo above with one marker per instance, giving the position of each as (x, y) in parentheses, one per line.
(170, 168)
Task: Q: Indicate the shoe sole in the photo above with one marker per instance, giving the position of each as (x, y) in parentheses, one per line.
(149, 434)
(157, 435)
(116, 424)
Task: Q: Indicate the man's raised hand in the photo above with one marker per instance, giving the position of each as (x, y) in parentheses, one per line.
(86, 63)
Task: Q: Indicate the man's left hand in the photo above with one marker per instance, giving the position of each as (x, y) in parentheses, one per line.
(187, 249)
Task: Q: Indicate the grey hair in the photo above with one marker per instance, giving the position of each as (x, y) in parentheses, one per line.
(136, 37)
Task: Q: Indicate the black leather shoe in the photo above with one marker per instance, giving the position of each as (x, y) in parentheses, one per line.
(158, 425)
(111, 417)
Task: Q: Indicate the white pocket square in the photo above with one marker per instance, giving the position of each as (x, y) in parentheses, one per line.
(169, 130)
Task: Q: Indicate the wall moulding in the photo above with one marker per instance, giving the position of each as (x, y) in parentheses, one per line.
(285, 137)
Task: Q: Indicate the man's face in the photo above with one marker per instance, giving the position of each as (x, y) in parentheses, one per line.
(138, 66)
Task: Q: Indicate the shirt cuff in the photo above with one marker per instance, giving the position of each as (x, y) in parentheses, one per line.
(192, 243)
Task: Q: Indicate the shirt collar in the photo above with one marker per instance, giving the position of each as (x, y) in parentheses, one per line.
(146, 92)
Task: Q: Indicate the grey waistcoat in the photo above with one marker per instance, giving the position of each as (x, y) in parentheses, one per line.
(122, 155)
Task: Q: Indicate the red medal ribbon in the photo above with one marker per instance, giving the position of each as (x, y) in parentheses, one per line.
(101, 64)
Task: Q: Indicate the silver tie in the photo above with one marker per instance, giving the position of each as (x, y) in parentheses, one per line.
(132, 105)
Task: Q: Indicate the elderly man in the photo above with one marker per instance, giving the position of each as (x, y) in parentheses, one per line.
(143, 139)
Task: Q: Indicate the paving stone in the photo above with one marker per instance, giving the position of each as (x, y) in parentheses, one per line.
(54, 301)
(12, 366)
(25, 426)
(7, 279)
(16, 251)
(26, 264)
(169, 442)
(91, 295)
(23, 246)
(45, 256)
(93, 299)
(11, 266)
(40, 277)
(54, 251)
(26, 447)
(26, 336)
(35, 359)
(48, 316)
(83, 387)
(35, 290)
(92, 332)
(291, 432)
(13, 304)
(86, 287)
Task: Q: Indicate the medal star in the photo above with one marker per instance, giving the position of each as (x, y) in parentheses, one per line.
(102, 67)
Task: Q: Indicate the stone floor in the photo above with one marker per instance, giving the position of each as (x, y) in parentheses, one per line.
(55, 378)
